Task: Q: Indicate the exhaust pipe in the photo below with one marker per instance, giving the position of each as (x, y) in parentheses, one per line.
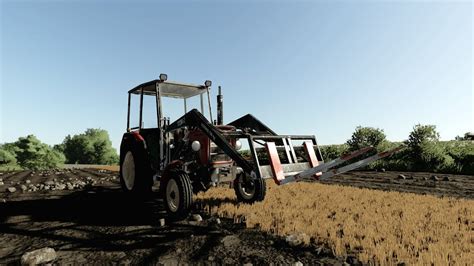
(220, 107)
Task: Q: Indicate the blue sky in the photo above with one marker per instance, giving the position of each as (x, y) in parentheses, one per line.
(318, 68)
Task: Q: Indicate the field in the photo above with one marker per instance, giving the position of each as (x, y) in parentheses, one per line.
(84, 216)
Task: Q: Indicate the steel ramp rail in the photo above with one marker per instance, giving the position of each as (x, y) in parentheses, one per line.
(322, 171)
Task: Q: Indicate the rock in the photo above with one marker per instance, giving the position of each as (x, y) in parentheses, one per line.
(298, 263)
(3, 200)
(382, 169)
(247, 264)
(11, 189)
(425, 178)
(400, 176)
(434, 178)
(38, 256)
(162, 222)
(1, 183)
(69, 186)
(446, 178)
(27, 181)
(61, 186)
(297, 239)
(230, 241)
(1, 179)
(210, 258)
(23, 187)
(46, 187)
(197, 217)
(49, 183)
(217, 221)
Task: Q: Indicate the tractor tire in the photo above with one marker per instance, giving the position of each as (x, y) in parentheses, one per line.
(135, 171)
(178, 195)
(249, 191)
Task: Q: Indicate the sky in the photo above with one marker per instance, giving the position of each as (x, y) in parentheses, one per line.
(319, 68)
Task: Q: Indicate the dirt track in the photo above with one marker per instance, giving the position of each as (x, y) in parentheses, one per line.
(96, 223)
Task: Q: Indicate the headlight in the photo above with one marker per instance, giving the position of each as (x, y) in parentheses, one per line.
(238, 145)
(163, 77)
(208, 83)
(196, 145)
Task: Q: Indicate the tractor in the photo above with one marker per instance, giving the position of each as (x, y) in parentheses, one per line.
(195, 152)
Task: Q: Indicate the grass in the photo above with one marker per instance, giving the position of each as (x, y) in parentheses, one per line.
(381, 227)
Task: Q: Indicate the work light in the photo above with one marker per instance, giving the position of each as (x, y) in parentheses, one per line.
(163, 77)
(208, 83)
(196, 145)
(238, 145)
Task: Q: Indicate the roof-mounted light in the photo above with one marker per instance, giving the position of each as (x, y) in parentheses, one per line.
(163, 77)
(208, 83)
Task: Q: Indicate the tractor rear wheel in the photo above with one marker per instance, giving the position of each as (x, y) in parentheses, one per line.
(178, 195)
(135, 172)
(249, 190)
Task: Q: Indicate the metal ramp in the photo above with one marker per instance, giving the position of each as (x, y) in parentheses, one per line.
(318, 171)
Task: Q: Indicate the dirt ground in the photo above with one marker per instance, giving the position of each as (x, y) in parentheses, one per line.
(98, 224)
(85, 217)
(443, 185)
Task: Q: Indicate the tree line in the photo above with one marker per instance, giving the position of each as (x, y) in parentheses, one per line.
(423, 150)
(91, 147)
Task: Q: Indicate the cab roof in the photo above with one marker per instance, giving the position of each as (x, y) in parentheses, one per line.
(169, 89)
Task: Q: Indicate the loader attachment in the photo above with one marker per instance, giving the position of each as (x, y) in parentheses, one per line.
(302, 162)
(275, 156)
(324, 171)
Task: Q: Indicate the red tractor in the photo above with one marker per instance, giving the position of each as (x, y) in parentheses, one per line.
(193, 154)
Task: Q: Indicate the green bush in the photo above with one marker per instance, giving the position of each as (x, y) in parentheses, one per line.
(462, 153)
(30, 153)
(6, 157)
(331, 152)
(91, 147)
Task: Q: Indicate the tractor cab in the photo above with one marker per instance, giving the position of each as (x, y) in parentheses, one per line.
(161, 143)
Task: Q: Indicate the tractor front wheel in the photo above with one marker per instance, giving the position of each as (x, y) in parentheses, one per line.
(248, 189)
(178, 195)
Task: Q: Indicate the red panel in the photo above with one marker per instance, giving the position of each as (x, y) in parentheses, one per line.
(137, 136)
(275, 163)
(204, 152)
(313, 160)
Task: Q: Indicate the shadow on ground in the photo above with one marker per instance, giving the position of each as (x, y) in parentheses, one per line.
(100, 219)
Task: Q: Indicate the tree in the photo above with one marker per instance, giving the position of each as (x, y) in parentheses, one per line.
(467, 136)
(91, 147)
(425, 153)
(365, 137)
(31, 153)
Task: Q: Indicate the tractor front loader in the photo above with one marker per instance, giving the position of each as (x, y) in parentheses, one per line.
(193, 153)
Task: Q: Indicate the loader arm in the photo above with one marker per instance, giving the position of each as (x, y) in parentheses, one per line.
(195, 119)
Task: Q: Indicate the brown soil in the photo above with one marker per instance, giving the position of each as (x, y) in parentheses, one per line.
(459, 186)
(99, 224)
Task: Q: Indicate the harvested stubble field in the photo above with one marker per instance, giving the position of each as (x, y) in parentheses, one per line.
(378, 226)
